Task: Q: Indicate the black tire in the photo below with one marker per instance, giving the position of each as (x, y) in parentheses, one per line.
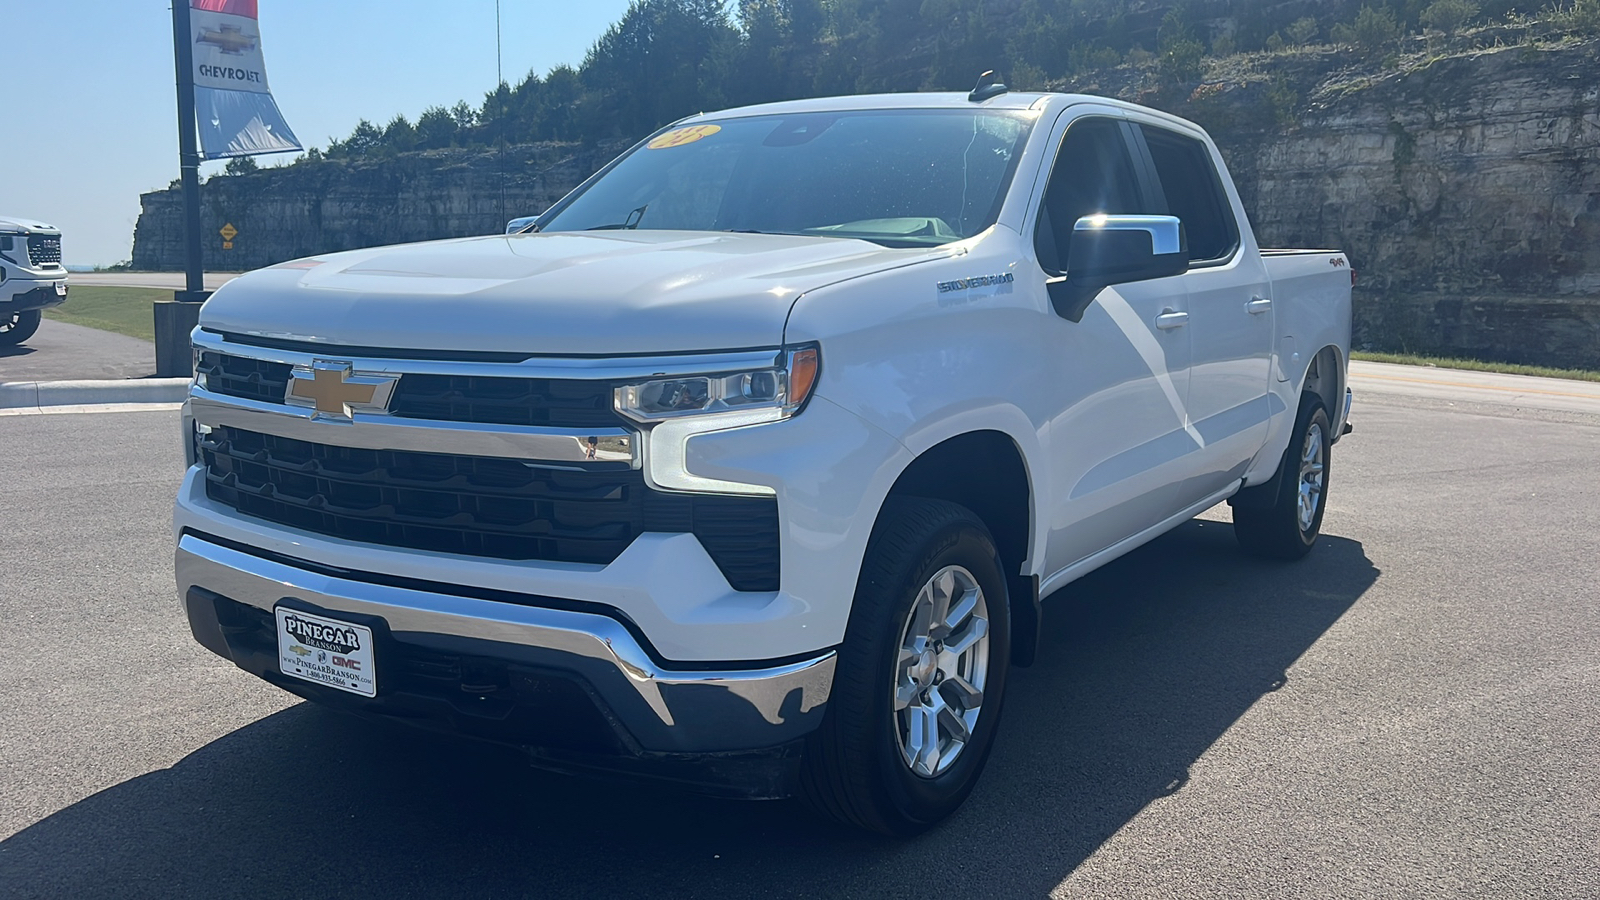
(1278, 531)
(19, 326)
(854, 771)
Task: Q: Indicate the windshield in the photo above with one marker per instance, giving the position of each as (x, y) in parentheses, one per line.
(897, 177)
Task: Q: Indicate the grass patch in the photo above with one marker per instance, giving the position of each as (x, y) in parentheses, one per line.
(124, 310)
(1477, 365)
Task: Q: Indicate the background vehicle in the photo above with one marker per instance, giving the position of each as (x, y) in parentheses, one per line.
(31, 276)
(748, 466)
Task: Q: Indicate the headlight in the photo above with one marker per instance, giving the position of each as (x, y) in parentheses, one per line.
(780, 391)
(673, 410)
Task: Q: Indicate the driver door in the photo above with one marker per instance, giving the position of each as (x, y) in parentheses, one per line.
(1121, 375)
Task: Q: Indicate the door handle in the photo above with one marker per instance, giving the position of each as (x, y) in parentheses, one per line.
(1257, 306)
(1170, 319)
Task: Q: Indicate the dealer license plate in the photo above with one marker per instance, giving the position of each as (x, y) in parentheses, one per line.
(326, 651)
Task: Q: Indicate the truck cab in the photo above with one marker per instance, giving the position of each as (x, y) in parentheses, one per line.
(32, 278)
(748, 464)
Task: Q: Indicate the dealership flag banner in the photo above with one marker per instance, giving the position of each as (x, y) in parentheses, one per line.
(237, 114)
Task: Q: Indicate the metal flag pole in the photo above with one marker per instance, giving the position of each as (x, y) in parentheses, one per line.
(175, 318)
(188, 152)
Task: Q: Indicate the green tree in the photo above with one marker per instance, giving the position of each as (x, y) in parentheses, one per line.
(1089, 56)
(1039, 42)
(1449, 16)
(647, 69)
(399, 135)
(763, 54)
(365, 140)
(436, 128)
(1373, 27)
(557, 116)
(1179, 55)
(241, 165)
(1302, 31)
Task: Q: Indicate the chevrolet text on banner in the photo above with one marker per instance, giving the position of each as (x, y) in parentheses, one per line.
(237, 114)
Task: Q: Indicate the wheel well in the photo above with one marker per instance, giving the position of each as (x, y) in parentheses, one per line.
(984, 472)
(1324, 377)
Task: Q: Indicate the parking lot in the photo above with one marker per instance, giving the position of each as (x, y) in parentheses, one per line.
(1412, 711)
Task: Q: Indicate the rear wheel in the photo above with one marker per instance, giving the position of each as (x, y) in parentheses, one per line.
(921, 676)
(1289, 527)
(19, 326)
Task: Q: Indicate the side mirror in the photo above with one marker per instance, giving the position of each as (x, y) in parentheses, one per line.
(519, 223)
(1108, 250)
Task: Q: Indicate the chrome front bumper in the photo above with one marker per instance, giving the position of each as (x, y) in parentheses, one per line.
(655, 708)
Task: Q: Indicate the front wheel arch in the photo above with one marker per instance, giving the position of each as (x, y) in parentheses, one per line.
(986, 473)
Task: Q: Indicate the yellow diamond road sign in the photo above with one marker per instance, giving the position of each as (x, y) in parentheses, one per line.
(228, 232)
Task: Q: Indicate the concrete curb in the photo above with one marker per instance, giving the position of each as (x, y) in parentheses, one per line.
(44, 394)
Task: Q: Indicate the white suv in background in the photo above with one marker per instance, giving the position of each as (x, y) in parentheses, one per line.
(31, 276)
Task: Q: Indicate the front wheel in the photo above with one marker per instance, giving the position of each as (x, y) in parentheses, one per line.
(1290, 526)
(19, 326)
(921, 676)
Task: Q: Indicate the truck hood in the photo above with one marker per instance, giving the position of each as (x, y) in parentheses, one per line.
(569, 293)
(13, 225)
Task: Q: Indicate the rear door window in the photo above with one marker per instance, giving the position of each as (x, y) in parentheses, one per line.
(1194, 193)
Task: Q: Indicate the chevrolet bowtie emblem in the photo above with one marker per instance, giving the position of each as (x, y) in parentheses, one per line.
(229, 40)
(334, 391)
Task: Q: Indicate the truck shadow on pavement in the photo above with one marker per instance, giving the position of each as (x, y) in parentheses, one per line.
(1146, 663)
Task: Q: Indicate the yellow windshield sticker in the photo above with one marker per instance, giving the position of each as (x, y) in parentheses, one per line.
(677, 137)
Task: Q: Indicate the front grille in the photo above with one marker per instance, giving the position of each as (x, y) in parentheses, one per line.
(44, 250)
(540, 402)
(240, 376)
(478, 506)
(529, 402)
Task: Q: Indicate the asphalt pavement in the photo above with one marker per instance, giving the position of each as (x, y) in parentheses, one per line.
(62, 352)
(1412, 711)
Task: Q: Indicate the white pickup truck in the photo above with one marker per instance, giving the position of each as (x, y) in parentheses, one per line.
(32, 278)
(748, 463)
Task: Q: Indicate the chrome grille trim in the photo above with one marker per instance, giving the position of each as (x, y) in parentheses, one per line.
(563, 447)
(608, 368)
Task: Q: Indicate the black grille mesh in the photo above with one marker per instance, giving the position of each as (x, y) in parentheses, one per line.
(479, 506)
(44, 249)
(549, 402)
(238, 376)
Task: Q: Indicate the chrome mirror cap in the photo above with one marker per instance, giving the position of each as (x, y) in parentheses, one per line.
(1166, 232)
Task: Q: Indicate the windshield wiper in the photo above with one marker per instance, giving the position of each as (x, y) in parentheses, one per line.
(629, 224)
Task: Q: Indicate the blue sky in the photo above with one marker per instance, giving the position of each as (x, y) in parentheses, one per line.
(99, 73)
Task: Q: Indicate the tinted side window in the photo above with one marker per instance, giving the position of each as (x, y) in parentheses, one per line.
(1093, 173)
(1194, 193)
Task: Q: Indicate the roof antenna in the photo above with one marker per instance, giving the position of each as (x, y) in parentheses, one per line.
(988, 86)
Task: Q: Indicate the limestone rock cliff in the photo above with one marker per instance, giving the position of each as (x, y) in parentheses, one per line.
(321, 206)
